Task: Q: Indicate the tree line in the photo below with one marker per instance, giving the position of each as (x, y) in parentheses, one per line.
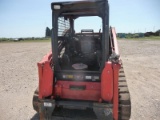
(138, 35)
(48, 32)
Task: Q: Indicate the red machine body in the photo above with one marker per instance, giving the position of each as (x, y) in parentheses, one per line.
(95, 91)
(106, 90)
(45, 76)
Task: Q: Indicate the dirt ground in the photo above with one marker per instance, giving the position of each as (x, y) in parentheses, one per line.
(19, 77)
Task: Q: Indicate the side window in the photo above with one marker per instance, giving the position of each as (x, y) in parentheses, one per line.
(63, 26)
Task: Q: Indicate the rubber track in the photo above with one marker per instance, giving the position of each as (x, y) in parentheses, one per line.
(124, 97)
(35, 100)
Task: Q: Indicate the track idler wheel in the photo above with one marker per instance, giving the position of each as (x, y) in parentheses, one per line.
(45, 112)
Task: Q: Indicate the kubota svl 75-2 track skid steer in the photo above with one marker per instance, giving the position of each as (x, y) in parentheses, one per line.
(83, 71)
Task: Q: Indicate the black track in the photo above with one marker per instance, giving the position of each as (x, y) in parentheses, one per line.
(124, 97)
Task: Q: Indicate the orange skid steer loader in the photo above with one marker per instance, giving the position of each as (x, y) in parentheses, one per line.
(83, 71)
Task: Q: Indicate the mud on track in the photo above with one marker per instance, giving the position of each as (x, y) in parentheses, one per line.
(19, 77)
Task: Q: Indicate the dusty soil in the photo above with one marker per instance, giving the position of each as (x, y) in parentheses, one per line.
(19, 78)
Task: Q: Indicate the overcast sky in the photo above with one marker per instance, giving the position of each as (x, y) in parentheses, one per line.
(29, 18)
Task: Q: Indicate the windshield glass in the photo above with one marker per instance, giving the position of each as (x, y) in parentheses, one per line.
(93, 22)
(79, 43)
